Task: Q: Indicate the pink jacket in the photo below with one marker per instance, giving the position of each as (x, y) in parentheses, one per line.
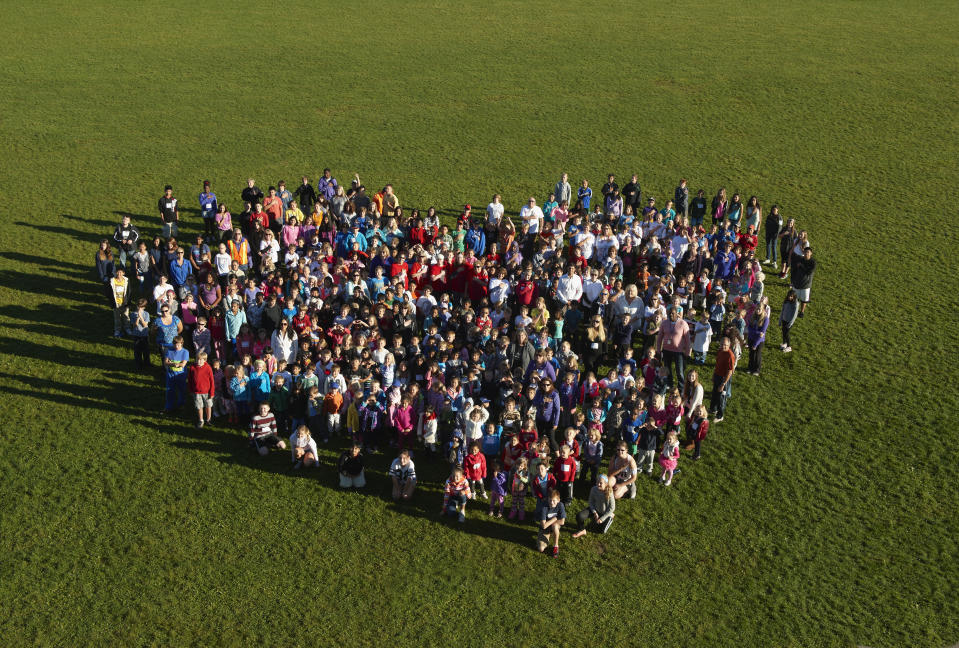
(403, 417)
(674, 336)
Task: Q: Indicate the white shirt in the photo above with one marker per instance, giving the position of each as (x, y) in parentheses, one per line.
(592, 288)
(569, 288)
(223, 262)
(532, 215)
(425, 304)
(494, 212)
(586, 241)
(632, 307)
(307, 443)
(498, 289)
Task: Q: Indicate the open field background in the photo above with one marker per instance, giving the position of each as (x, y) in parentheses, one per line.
(824, 511)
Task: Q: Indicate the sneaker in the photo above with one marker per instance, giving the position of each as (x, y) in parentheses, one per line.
(717, 420)
(802, 313)
(787, 349)
(200, 424)
(670, 481)
(555, 552)
(499, 515)
(632, 491)
(782, 347)
(116, 334)
(490, 513)
(462, 518)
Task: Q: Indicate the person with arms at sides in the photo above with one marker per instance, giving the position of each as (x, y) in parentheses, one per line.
(169, 212)
(725, 367)
(698, 209)
(610, 186)
(202, 388)
(119, 292)
(756, 338)
(803, 268)
(672, 344)
(584, 196)
(252, 194)
(681, 198)
(551, 518)
(175, 360)
(787, 318)
(563, 192)
(208, 209)
(126, 237)
(140, 330)
(632, 194)
(532, 215)
(403, 473)
(601, 508)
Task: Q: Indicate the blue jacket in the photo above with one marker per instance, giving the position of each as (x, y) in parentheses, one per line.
(208, 206)
(476, 240)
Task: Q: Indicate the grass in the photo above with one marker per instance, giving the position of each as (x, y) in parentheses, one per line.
(823, 511)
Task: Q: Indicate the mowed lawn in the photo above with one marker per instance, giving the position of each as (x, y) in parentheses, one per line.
(824, 510)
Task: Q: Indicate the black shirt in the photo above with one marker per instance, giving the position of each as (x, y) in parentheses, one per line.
(803, 270)
(271, 317)
(609, 187)
(631, 194)
(698, 208)
(252, 195)
(168, 209)
(307, 196)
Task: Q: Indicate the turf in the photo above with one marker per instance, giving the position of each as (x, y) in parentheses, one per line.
(823, 511)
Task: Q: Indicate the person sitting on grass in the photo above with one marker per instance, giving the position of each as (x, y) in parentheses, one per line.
(550, 519)
(456, 493)
(602, 504)
(403, 474)
(303, 448)
(263, 431)
(350, 466)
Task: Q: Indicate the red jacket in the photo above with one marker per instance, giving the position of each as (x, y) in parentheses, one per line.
(512, 453)
(538, 490)
(201, 380)
(474, 466)
(700, 433)
(565, 470)
(573, 448)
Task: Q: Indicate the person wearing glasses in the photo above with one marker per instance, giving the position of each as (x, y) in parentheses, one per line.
(622, 468)
(168, 327)
(548, 409)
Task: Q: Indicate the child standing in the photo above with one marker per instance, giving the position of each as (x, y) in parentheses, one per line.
(519, 486)
(648, 440)
(543, 482)
(474, 468)
(696, 429)
(669, 457)
(497, 488)
(592, 455)
(565, 472)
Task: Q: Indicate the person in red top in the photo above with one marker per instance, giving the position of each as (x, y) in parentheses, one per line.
(438, 275)
(528, 434)
(273, 205)
(725, 367)
(512, 452)
(301, 321)
(399, 268)
(259, 215)
(525, 289)
(474, 468)
(542, 482)
(478, 288)
(565, 471)
(748, 240)
(455, 494)
(203, 388)
(458, 274)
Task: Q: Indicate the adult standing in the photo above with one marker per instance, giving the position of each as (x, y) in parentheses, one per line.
(252, 194)
(532, 215)
(673, 342)
(681, 198)
(119, 291)
(208, 209)
(306, 195)
(773, 225)
(202, 388)
(787, 317)
(723, 373)
(548, 410)
(169, 327)
(563, 191)
(632, 194)
(756, 338)
(169, 212)
(698, 209)
(126, 237)
(610, 186)
(326, 186)
(175, 360)
(803, 268)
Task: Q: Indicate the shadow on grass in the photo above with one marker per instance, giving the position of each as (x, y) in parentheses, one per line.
(105, 395)
(50, 264)
(230, 445)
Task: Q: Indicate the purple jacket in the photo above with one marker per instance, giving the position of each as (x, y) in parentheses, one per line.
(497, 484)
(755, 335)
(548, 407)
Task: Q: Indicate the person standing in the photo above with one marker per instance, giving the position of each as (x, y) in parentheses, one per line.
(126, 237)
(202, 388)
(119, 290)
(774, 223)
(787, 318)
(252, 194)
(756, 338)
(723, 373)
(673, 343)
(169, 212)
(610, 186)
(681, 198)
(326, 186)
(208, 209)
(632, 194)
(563, 191)
(803, 268)
(306, 195)
(175, 361)
(584, 195)
(698, 209)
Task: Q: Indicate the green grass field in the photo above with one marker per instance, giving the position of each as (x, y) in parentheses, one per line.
(824, 511)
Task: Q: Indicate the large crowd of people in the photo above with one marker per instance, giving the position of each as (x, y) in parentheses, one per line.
(555, 349)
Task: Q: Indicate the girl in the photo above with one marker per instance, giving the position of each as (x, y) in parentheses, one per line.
(497, 487)
(456, 493)
(696, 429)
(427, 428)
(592, 455)
(240, 392)
(674, 411)
(756, 338)
(669, 457)
(303, 448)
(519, 485)
(692, 393)
(474, 468)
(787, 318)
(602, 504)
(595, 344)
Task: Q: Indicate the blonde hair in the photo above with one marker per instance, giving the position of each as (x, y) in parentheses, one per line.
(303, 432)
(658, 401)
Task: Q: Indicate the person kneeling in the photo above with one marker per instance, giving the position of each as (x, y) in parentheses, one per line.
(351, 468)
(403, 475)
(550, 519)
(303, 448)
(456, 494)
(263, 431)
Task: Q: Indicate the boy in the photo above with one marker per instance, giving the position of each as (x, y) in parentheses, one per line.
(550, 518)
(280, 403)
(455, 495)
(175, 362)
(565, 471)
(263, 431)
(203, 388)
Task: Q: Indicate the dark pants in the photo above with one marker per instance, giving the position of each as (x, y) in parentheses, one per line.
(546, 429)
(583, 518)
(589, 471)
(785, 328)
(141, 351)
(717, 401)
(175, 391)
(675, 362)
(456, 501)
(565, 491)
(756, 358)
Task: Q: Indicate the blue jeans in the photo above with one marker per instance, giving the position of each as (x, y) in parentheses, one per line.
(175, 390)
(772, 250)
(717, 401)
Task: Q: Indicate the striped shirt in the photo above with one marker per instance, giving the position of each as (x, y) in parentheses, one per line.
(261, 425)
